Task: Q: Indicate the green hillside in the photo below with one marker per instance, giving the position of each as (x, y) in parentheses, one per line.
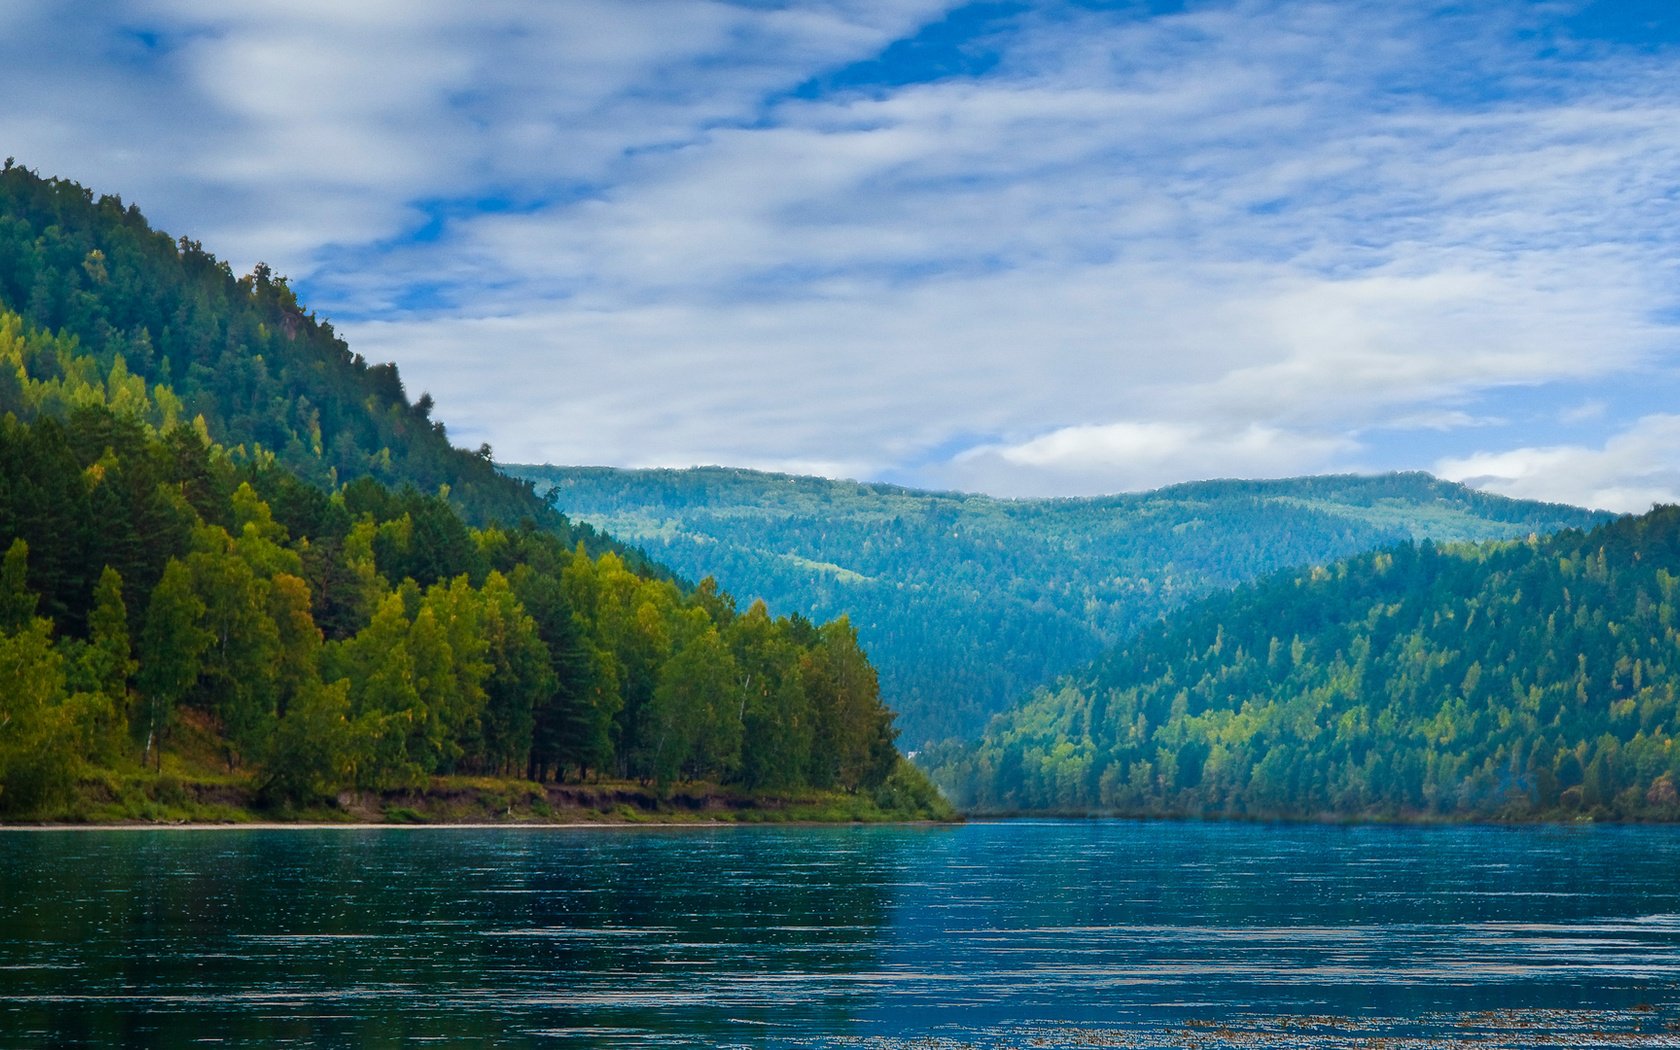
(966, 602)
(267, 376)
(1511, 680)
(238, 563)
(206, 617)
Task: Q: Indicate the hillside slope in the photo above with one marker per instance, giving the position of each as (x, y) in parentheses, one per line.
(1509, 680)
(231, 624)
(268, 376)
(209, 585)
(966, 602)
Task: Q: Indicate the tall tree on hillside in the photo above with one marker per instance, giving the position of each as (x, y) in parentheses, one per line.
(853, 745)
(106, 666)
(776, 720)
(521, 677)
(171, 649)
(694, 717)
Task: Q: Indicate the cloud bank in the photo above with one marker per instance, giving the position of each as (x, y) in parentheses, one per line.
(1630, 472)
(1042, 250)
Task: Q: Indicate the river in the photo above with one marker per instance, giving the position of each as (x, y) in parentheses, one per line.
(1023, 933)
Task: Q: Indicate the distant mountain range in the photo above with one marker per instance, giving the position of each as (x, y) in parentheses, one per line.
(1519, 680)
(966, 602)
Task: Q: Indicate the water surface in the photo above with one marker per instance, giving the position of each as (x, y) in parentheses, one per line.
(1053, 934)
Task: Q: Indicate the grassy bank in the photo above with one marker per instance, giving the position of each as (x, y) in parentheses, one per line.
(176, 795)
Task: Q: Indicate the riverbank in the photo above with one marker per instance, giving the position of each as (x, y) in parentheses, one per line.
(1510, 818)
(150, 799)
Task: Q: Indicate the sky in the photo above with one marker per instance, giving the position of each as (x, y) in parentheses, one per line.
(1039, 248)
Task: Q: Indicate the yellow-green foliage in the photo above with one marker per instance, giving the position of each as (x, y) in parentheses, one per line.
(250, 546)
(364, 639)
(49, 375)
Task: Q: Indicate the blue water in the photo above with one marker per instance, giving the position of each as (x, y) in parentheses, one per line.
(1052, 934)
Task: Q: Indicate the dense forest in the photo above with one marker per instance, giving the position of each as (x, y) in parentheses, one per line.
(282, 564)
(266, 375)
(364, 639)
(966, 602)
(1511, 680)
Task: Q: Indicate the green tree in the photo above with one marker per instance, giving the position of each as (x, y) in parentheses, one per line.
(853, 740)
(171, 650)
(37, 757)
(776, 722)
(17, 601)
(695, 727)
(309, 756)
(572, 724)
(107, 665)
(385, 707)
(297, 666)
(521, 678)
(237, 679)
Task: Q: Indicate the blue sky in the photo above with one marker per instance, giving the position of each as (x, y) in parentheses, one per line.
(1022, 248)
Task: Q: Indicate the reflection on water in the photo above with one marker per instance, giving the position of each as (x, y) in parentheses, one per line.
(1055, 934)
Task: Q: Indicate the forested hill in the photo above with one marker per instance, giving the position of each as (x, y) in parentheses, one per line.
(966, 603)
(234, 558)
(266, 375)
(170, 615)
(1509, 680)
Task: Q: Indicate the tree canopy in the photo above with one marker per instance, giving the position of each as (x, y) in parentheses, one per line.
(1516, 679)
(105, 295)
(370, 638)
(223, 529)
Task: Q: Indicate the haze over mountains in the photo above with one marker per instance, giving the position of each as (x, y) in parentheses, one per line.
(966, 602)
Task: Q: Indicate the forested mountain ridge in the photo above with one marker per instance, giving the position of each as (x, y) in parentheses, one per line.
(966, 602)
(267, 375)
(1508, 680)
(175, 607)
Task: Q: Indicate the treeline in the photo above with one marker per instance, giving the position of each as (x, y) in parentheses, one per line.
(1512, 680)
(966, 602)
(154, 582)
(267, 376)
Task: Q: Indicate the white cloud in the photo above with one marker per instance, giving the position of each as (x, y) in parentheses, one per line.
(1267, 237)
(1585, 412)
(1096, 459)
(278, 130)
(1631, 471)
(874, 375)
(1441, 420)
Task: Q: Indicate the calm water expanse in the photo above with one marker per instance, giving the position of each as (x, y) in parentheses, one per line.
(1053, 934)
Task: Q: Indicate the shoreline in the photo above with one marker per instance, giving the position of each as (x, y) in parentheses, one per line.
(720, 824)
(173, 801)
(591, 825)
